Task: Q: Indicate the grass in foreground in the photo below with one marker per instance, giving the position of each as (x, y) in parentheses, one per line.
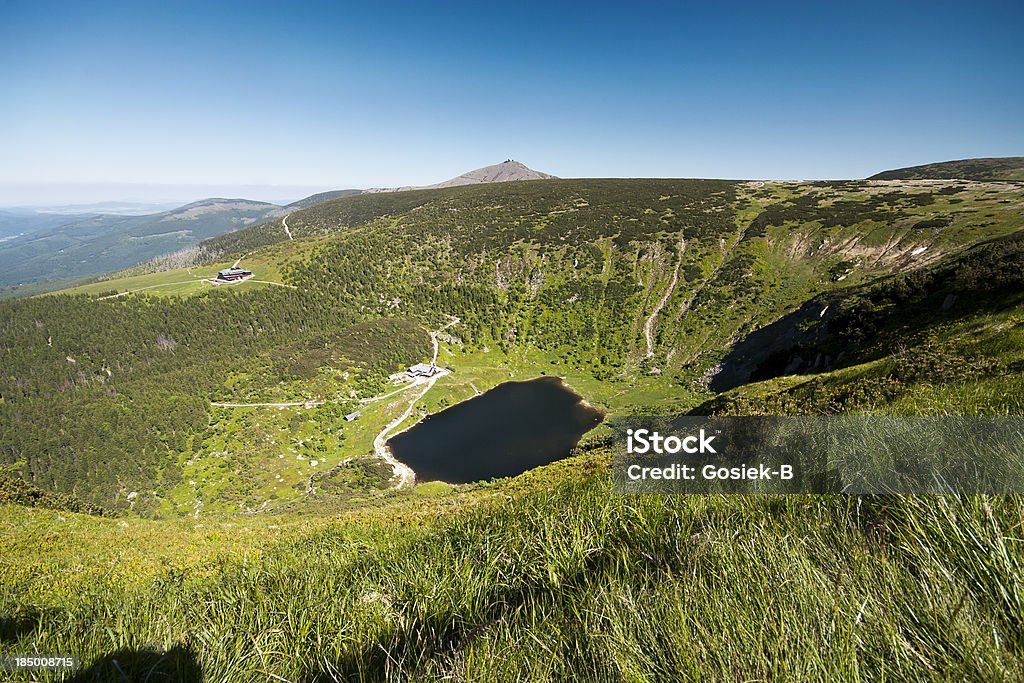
(558, 579)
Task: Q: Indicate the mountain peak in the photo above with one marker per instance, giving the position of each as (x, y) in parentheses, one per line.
(507, 171)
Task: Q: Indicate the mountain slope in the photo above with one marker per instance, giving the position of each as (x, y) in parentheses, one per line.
(224, 413)
(311, 200)
(507, 171)
(103, 243)
(546, 577)
(637, 291)
(20, 222)
(999, 168)
(861, 324)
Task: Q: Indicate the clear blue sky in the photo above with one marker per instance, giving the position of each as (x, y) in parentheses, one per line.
(329, 95)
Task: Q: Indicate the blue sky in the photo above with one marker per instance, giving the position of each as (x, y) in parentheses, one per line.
(107, 100)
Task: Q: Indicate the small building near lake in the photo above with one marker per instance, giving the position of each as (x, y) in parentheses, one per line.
(423, 370)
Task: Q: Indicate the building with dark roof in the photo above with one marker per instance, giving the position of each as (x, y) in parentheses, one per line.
(233, 274)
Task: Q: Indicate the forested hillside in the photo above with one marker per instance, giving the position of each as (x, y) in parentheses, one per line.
(171, 411)
(997, 169)
(576, 267)
(615, 284)
(98, 397)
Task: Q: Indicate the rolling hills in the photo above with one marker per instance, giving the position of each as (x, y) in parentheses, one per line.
(272, 528)
(14, 223)
(646, 294)
(1000, 168)
(98, 244)
(36, 248)
(311, 200)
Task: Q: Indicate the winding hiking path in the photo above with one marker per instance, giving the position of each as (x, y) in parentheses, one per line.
(374, 399)
(405, 473)
(380, 442)
(649, 323)
(380, 446)
(452, 320)
(284, 222)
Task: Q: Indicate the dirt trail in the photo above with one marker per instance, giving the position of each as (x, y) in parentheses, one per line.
(278, 284)
(292, 404)
(185, 282)
(403, 471)
(162, 284)
(284, 222)
(452, 320)
(374, 399)
(406, 476)
(649, 323)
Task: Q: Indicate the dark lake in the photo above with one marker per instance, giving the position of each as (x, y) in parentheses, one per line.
(514, 427)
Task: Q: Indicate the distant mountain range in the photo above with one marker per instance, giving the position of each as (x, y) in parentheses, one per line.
(74, 242)
(40, 247)
(121, 208)
(16, 223)
(312, 200)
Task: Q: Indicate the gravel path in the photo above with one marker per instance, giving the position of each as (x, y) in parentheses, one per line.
(649, 323)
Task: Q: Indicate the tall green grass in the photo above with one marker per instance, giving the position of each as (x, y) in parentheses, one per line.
(575, 583)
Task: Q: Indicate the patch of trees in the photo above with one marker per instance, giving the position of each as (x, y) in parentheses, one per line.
(885, 207)
(95, 401)
(15, 491)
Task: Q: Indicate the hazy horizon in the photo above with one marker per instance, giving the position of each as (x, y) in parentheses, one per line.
(45, 195)
(180, 102)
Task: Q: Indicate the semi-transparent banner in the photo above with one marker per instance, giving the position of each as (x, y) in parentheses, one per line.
(841, 454)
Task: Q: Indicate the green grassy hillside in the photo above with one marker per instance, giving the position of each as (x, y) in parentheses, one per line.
(179, 281)
(255, 535)
(553, 578)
